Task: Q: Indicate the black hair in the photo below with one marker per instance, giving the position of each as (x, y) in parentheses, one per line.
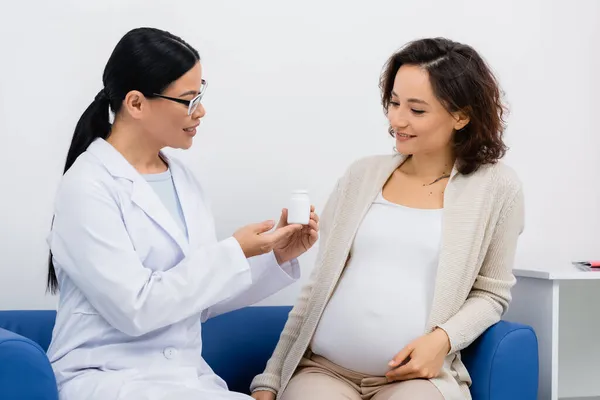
(145, 59)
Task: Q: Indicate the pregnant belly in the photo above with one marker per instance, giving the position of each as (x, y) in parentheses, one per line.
(365, 338)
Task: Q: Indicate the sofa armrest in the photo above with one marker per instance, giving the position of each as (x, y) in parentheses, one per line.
(503, 363)
(25, 372)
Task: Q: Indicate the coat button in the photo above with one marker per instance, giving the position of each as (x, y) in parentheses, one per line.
(170, 353)
(157, 276)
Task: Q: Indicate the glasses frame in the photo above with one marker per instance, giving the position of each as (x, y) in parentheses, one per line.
(192, 104)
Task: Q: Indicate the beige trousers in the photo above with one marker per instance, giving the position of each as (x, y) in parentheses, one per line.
(319, 379)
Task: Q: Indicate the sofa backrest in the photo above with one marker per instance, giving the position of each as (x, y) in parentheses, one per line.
(35, 325)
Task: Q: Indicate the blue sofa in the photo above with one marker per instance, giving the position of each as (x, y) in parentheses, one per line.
(503, 362)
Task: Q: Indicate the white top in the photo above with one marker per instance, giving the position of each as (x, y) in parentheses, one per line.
(163, 185)
(385, 293)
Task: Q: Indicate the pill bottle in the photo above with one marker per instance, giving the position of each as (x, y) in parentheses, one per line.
(299, 208)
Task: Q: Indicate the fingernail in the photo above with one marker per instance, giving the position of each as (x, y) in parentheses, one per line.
(391, 363)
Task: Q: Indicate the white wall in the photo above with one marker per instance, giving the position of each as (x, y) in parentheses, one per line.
(292, 100)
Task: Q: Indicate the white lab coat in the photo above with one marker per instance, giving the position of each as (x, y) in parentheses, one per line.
(133, 288)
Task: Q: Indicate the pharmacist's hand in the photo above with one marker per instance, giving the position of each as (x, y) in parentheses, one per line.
(255, 239)
(298, 242)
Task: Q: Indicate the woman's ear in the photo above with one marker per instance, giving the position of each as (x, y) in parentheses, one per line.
(135, 103)
(462, 119)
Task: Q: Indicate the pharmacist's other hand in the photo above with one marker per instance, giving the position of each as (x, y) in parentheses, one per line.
(257, 239)
(300, 241)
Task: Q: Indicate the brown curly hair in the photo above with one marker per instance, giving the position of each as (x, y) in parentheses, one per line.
(461, 81)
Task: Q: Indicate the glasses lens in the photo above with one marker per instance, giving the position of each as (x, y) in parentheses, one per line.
(194, 104)
(197, 100)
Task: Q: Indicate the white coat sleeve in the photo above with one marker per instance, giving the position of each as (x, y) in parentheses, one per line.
(268, 277)
(90, 244)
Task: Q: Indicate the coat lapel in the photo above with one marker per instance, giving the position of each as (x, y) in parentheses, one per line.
(142, 193)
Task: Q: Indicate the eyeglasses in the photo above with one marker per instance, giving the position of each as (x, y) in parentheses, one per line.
(191, 104)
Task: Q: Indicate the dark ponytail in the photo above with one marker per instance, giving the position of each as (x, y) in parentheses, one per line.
(94, 123)
(145, 59)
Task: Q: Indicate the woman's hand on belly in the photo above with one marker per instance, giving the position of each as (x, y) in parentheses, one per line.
(422, 358)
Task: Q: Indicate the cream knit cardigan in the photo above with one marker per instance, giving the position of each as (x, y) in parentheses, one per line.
(483, 217)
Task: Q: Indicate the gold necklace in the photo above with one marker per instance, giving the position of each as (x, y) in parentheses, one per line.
(437, 180)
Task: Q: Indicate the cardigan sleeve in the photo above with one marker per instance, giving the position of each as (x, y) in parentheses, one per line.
(490, 295)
